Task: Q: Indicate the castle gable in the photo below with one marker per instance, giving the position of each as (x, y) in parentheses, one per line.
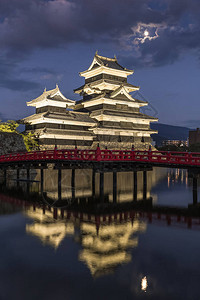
(121, 93)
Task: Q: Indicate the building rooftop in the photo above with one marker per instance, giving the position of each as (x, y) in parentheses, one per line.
(107, 96)
(108, 62)
(112, 63)
(54, 94)
(70, 115)
(100, 81)
(119, 114)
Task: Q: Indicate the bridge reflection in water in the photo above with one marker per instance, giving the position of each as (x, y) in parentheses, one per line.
(96, 209)
(107, 238)
(116, 186)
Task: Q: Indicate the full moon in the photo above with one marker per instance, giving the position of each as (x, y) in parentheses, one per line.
(146, 33)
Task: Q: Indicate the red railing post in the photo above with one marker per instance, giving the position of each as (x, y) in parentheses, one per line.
(62, 154)
(98, 154)
(106, 153)
(149, 155)
(121, 156)
(133, 154)
(189, 157)
(75, 153)
(168, 156)
(55, 153)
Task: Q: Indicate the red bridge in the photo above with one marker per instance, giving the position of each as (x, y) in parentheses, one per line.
(157, 158)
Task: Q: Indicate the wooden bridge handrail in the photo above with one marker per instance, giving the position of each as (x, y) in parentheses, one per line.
(164, 157)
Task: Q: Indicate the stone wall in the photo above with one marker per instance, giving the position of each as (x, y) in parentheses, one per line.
(11, 142)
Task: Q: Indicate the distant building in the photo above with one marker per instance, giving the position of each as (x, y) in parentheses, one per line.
(194, 137)
(178, 143)
(106, 115)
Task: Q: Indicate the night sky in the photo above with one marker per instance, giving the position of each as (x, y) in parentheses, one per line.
(47, 42)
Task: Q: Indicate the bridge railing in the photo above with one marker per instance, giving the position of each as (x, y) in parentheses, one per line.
(158, 157)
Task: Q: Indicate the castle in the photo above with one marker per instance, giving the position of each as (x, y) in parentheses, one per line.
(106, 115)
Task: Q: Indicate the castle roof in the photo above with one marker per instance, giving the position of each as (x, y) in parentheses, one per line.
(108, 62)
(102, 61)
(107, 96)
(70, 115)
(125, 114)
(100, 81)
(54, 94)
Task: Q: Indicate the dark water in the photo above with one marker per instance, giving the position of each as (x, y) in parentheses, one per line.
(49, 253)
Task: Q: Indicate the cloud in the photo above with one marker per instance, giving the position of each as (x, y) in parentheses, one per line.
(18, 84)
(43, 73)
(173, 26)
(10, 79)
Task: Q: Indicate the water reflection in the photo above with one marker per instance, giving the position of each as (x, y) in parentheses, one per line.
(105, 243)
(47, 229)
(80, 186)
(104, 251)
(87, 183)
(97, 231)
(175, 176)
(144, 284)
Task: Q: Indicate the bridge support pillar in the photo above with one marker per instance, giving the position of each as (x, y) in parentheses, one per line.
(28, 174)
(28, 180)
(135, 185)
(144, 185)
(195, 195)
(59, 184)
(5, 176)
(114, 186)
(93, 182)
(17, 178)
(73, 184)
(41, 180)
(101, 186)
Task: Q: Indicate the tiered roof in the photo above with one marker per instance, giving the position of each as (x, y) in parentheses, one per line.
(106, 62)
(102, 82)
(75, 117)
(54, 94)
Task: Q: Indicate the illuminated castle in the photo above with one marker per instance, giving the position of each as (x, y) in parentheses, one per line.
(107, 114)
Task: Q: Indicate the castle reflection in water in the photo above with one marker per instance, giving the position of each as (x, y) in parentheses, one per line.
(102, 250)
(105, 241)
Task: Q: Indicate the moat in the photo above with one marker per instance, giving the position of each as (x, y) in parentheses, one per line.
(88, 241)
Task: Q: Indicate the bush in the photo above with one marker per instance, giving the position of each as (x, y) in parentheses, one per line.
(30, 140)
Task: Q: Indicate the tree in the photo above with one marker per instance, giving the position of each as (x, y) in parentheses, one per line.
(30, 140)
(9, 126)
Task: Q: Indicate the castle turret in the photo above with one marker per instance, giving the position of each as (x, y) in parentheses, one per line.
(56, 124)
(107, 99)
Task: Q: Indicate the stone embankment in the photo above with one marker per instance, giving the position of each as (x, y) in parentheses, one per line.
(11, 142)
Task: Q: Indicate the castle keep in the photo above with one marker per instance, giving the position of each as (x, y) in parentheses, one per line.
(106, 115)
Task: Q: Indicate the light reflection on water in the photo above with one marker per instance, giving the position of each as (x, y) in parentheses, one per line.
(111, 256)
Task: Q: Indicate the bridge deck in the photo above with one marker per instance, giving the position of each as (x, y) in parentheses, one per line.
(154, 158)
